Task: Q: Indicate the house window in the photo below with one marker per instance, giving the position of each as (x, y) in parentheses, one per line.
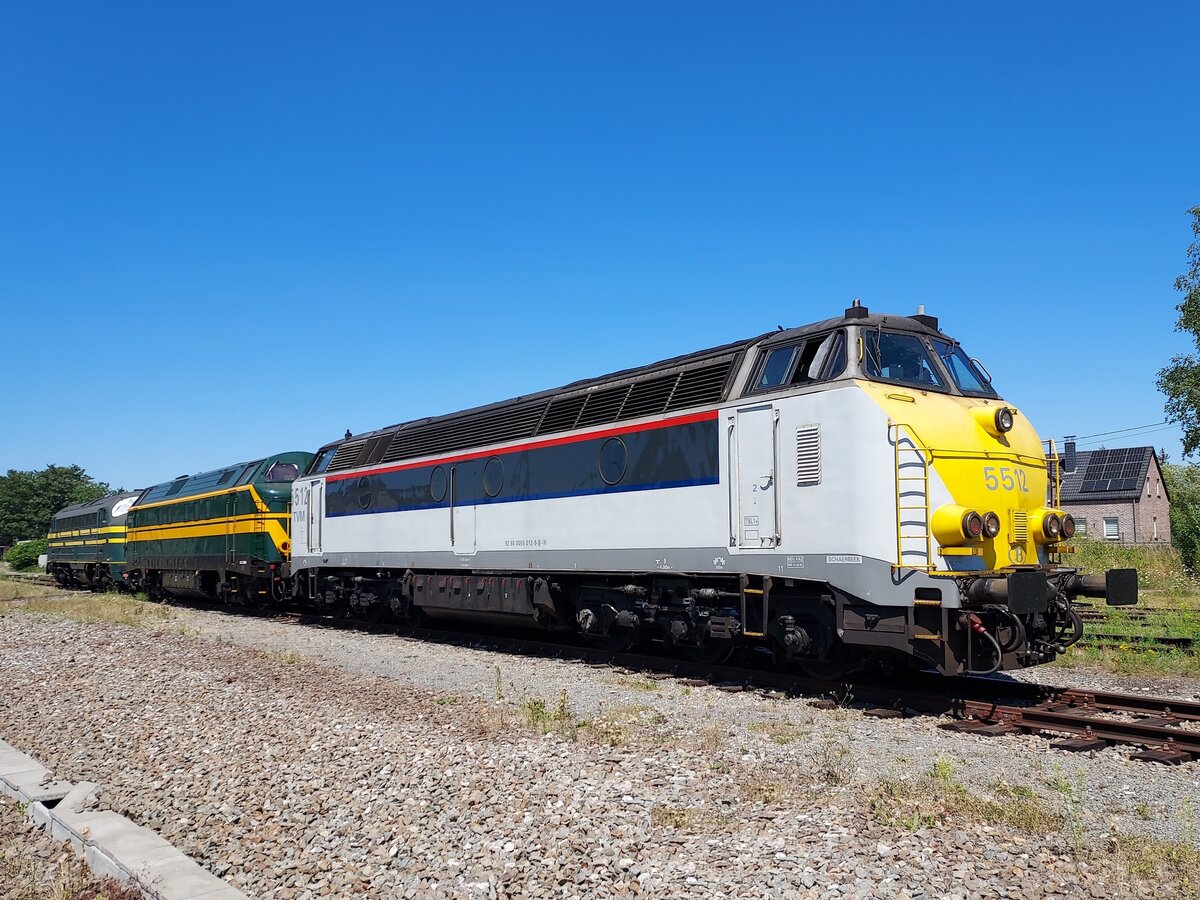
(1159, 483)
(1156, 528)
(1081, 526)
(1111, 531)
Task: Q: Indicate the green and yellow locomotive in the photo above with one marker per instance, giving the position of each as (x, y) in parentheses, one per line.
(221, 535)
(87, 542)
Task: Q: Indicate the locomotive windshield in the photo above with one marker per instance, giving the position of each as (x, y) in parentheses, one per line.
(963, 370)
(902, 358)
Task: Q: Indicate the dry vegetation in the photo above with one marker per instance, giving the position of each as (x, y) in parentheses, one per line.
(89, 608)
(915, 803)
(25, 874)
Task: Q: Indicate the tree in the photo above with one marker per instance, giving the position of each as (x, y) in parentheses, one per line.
(1180, 380)
(1183, 483)
(29, 500)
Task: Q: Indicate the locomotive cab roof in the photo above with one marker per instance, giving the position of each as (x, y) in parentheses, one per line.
(695, 379)
(104, 503)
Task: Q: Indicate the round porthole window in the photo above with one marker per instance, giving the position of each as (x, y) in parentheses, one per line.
(364, 492)
(439, 482)
(613, 459)
(493, 476)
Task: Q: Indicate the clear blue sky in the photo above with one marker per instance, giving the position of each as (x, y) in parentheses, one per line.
(230, 229)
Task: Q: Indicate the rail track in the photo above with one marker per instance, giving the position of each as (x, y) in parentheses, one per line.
(1157, 729)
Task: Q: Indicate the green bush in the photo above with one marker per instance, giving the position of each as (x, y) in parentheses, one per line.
(25, 556)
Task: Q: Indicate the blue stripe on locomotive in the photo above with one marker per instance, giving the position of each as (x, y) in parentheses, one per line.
(678, 456)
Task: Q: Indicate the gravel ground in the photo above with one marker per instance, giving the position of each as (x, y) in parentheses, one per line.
(299, 762)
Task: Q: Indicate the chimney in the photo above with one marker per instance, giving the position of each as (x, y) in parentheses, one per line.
(1069, 453)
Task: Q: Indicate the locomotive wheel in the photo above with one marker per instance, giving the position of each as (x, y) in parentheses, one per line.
(249, 593)
(711, 653)
(837, 664)
(616, 641)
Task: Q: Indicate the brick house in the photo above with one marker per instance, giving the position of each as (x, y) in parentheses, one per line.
(1116, 495)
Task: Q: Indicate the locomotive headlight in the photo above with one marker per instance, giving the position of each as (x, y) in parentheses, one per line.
(991, 525)
(1052, 527)
(972, 525)
(1046, 526)
(996, 421)
(1068, 527)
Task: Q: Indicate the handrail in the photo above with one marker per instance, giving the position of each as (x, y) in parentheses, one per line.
(1054, 474)
(923, 455)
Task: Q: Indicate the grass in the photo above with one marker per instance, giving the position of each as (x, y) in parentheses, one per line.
(1133, 660)
(12, 589)
(91, 608)
(1162, 578)
(623, 725)
(1171, 592)
(636, 682)
(782, 733)
(936, 796)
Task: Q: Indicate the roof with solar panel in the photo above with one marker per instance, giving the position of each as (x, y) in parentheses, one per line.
(1099, 475)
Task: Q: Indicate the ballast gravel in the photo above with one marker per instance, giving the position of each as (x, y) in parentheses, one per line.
(305, 762)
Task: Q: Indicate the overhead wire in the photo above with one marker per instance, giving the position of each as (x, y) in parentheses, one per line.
(1084, 437)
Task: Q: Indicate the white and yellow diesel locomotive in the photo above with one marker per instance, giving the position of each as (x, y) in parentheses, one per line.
(849, 492)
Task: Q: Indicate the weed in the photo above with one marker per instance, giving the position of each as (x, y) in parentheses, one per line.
(663, 816)
(1072, 797)
(621, 725)
(637, 682)
(499, 685)
(713, 737)
(943, 772)
(928, 799)
(764, 787)
(448, 700)
(1150, 858)
(842, 697)
(559, 719)
(832, 761)
(287, 657)
(781, 733)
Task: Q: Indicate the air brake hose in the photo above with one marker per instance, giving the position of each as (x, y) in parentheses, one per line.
(977, 626)
(1017, 626)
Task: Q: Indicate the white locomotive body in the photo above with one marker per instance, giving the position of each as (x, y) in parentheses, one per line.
(814, 491)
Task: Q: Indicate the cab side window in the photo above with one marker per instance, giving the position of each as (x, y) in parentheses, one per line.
(776, 369)
(817, 359)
